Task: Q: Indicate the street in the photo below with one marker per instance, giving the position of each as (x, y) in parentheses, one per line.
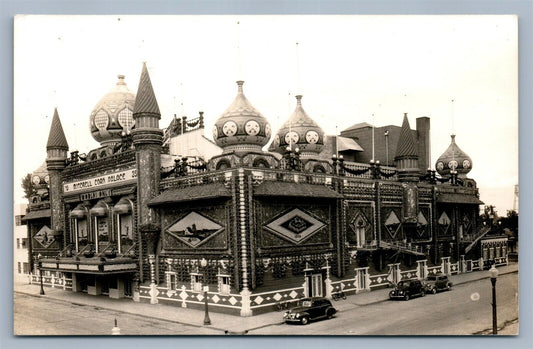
(446, 313)
(41, 316)
(466, 309)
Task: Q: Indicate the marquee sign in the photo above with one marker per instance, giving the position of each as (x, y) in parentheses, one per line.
(93, 183)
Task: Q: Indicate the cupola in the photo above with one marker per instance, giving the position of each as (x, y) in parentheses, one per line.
(112, 116)
(454, 159)
(241, 126)
(299, 131)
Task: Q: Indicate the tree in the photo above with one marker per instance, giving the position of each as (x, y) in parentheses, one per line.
(27, 185)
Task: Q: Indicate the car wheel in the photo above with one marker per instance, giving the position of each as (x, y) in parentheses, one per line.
(423, 293)
(305, 320)
(329, 314)
(406, 297)
(448, 287)
(434, 290)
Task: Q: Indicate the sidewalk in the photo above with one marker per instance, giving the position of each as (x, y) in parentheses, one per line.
(229, 324)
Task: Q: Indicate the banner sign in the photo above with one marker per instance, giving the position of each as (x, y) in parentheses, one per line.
(111, 179)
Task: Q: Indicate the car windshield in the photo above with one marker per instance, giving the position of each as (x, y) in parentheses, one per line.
(403, 283)
(432, 278)
(305, 303)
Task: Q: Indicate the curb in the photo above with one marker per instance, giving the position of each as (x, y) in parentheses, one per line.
(225, 331)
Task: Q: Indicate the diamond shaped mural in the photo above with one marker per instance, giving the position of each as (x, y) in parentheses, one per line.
(295, 225)
(45, 236)
(392, 223)
(444, 222)
(194, 229)
(421, 224)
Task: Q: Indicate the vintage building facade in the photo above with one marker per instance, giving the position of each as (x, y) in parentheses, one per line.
(141, 217)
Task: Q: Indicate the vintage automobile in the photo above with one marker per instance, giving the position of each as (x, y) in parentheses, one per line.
(408, 289)
(439, 282)
(310, 309)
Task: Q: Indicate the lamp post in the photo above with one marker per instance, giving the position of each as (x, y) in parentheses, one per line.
(207, 320)
(41, 274)
(493, 276)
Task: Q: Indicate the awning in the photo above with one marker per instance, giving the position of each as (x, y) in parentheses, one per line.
(79, 212)
(100, 209)
(36, 215)
(197, 192)
(123, 206)
(268, 188)
(344, 144)
(459, 199)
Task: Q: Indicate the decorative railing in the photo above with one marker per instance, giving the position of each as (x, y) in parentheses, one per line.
(403, 247)
(482, 231)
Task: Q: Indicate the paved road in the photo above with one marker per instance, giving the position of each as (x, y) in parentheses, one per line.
(41, 316)
(446, 313)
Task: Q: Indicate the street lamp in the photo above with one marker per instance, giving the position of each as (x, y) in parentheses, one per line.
(41, 274)
(493, 275)
(207, 320)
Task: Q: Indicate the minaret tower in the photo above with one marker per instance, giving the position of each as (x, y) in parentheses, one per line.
(56, 154)
(147, 139)
(406, 158)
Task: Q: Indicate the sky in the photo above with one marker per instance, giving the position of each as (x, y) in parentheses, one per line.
(349, 69)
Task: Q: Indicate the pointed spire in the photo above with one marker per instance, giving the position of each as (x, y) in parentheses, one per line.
(56, 138)
(406, 142)
(145, 102)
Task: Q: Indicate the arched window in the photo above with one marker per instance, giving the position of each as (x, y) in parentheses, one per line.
(260, 162)
(319, 169)
(223, 164)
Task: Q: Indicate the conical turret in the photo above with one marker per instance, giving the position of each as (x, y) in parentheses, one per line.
(406, 158)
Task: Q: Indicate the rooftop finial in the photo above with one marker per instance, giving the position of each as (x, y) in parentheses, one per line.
(239, 84)
(298, 87)
(239, 63)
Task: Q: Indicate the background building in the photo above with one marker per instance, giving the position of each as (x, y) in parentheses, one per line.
(21, 264)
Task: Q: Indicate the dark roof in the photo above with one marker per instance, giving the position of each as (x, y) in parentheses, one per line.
(36, 215)
(197, 192)
(56, 138)
(357, 126)
(145, 101)
(295, 189)
(406, 143)
(459, 199)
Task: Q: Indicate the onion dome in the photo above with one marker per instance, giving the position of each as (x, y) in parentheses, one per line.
(454, 159)
(299, 131)
(241, 126)
(113, 114)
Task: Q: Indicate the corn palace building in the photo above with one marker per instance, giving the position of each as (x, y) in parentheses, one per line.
(146, 216)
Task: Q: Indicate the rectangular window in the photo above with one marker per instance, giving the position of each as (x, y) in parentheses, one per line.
(102, 230)
(18, 220)
(18, 267)
(126, 232)
(82, 233)
(196, 282)
(18, 243)
(24, 243)
(223, 284)
(25, 268)
(172, 282)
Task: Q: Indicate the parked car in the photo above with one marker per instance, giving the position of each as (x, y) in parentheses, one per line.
(408, 289)
(439, 282)
(310, 309)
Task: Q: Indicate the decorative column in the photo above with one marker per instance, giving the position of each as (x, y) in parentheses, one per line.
(153, 287)
(422, 270)
(242, 213)
(327, 282)
(445, 266)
